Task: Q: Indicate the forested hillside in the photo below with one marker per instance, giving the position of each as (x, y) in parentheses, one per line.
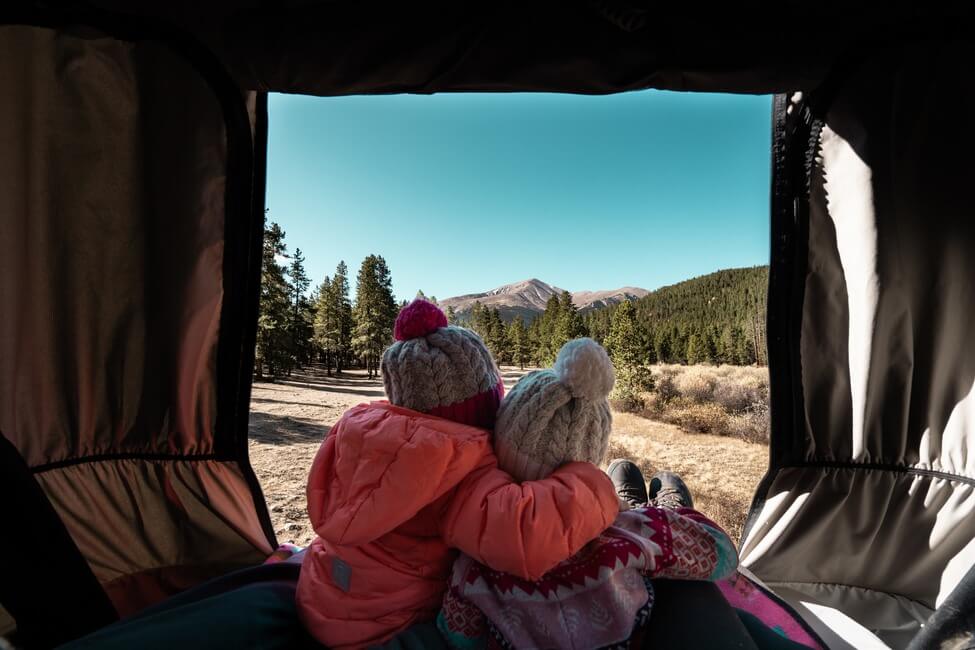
(714, 318)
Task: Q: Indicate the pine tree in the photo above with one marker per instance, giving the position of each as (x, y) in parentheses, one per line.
(333, 320)
(271, 354)
(548, 344)
(726, 352)
(497, 338)
(743, 349)
(480, 320)
(451, 315)
(519, 342)
(300, 322)
(662, 346)
(697, 349)
(633, 377)
(374, 313)
(323, 324)
(622, 343)
(569, 324)
(535, 343)
(343, 311)
(423, 296)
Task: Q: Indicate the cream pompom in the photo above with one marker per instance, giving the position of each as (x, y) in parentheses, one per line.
(584, 367)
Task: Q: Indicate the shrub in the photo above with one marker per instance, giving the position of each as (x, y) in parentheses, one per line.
(697, 383)
(721, 400)
(664, 385)
(626, 400)
(699, 418)
(738, 393)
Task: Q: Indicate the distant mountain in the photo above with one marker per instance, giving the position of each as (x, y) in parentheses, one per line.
(528, 298)
(589, 300)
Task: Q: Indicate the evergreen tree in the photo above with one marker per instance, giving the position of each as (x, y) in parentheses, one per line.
(711, 346)
(333, 320)
(548, 344)
(519, 342)
(597, 324)
(569, 324)
(374, 313)
(423, 296)
(451, 315)
(271, 354)
(535, 343)
(343, 309)
(480, 320)
(633, 377)
(697, 349)
(623, 343)
(743, 350)
(323, 324)
(497, 338)
(301, 321)
(726, 349)
(662, 346)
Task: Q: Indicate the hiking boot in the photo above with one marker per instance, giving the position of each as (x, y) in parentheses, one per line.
(667, 490)
(628, 481)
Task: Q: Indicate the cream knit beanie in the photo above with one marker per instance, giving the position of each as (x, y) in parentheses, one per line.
(555, 416)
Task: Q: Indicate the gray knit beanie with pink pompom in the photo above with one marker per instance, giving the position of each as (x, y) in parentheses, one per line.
(441, 369)
(555, 416)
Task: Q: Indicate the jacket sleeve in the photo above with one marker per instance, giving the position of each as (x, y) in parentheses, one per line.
(526, 529)
(698, 548)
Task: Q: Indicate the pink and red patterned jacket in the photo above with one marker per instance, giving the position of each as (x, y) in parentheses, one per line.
(599, 598)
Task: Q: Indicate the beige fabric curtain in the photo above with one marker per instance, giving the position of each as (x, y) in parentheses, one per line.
(113, 174)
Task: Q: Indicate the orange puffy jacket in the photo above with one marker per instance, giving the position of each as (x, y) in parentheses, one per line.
(393, 491)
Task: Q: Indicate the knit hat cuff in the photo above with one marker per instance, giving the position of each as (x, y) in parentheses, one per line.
(521, 466)
(479, 411)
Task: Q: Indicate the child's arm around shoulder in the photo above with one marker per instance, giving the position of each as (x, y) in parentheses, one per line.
(526, 529)
(691, 546)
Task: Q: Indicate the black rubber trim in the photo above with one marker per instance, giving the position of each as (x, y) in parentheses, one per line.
(243, 231)
(780, 304)
(780, 324)
(952, 621)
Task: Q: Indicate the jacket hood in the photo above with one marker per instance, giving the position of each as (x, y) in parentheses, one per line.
(381, 464)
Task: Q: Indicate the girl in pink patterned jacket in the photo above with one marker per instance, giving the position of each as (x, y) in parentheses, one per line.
(602, 596)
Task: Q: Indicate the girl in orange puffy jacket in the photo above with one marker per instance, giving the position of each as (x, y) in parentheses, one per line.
(397, 486)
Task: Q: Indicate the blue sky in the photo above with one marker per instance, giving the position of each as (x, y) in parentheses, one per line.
(462, 193)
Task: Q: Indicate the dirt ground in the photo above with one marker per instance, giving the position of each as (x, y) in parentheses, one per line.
(290, 417)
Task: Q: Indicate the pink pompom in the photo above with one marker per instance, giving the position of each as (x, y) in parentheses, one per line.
(417, 319)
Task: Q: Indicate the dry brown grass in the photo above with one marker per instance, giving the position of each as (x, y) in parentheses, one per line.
(721, 472)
